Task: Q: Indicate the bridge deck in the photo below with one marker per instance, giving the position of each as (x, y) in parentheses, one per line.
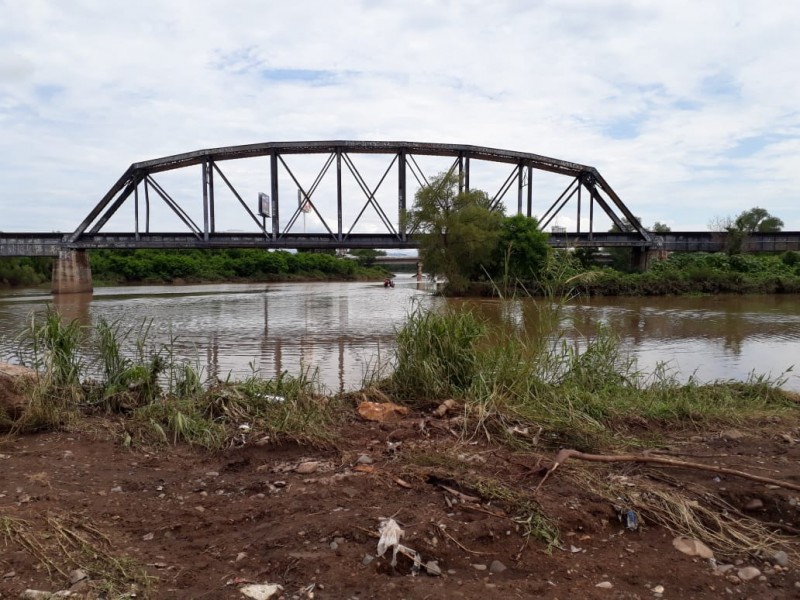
(49, 244)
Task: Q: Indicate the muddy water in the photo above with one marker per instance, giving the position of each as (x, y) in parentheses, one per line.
(345, 329)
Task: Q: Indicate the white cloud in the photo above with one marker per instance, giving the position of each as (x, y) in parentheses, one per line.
(655, 95)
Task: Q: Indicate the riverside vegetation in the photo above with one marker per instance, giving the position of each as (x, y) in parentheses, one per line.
(679, 274)
(168, 266)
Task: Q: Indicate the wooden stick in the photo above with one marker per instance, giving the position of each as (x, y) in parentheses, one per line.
(564, 455)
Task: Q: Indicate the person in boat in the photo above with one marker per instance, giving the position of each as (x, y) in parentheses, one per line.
(388, 282)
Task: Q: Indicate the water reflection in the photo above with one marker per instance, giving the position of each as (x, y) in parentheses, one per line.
(344, 329)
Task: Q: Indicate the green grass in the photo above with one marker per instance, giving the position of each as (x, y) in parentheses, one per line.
(589, 397)
(158, 397)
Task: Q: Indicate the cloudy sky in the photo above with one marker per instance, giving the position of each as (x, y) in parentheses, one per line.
(690, 109)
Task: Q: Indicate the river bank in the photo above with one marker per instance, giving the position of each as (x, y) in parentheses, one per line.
(148, 481)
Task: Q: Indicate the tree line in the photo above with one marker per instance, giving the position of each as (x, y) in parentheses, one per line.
(164, 266)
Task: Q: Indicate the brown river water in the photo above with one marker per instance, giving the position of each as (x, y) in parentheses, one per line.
(343, 330)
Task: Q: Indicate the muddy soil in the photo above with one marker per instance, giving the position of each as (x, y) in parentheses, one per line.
(203, 524)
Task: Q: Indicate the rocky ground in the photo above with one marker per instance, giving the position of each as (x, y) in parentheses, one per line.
(80, 510)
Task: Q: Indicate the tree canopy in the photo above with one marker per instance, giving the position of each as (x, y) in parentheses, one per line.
(522, 248)
(458, 230)
(757, 220)
(465, 240)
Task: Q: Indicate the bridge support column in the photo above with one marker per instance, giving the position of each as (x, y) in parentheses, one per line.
(72, 273)
(642, 257)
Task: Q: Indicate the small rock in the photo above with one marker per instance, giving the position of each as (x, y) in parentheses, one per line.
(308, 467)
(733, 434)
(724, 568)
(148, 536)
(432, 568)
(368, 558)
(692, 547)
(212, 474)
(199, 509)
(241, 556)
(797, 585)
(659, 589)
(35, 595)
(116, 490)
(479, 567)
(82, 587)
(77, 575)
(748, 573)
(754, 504)
(780, 558)
(365, 459)
(261, 591)
(605, 585)
(9, 575)
(382, 412)
(497, 567)
(334, 546)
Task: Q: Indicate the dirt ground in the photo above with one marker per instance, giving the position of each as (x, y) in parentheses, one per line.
(204, 525)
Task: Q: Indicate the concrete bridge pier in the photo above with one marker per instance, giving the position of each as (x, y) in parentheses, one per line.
(72, 273)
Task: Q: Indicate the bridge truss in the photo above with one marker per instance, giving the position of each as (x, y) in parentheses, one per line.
(139, 187)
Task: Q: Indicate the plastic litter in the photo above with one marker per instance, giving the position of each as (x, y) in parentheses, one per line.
(391, 533)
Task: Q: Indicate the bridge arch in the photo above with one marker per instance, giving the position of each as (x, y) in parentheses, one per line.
(138, 186)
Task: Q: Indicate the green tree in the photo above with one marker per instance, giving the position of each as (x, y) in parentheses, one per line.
(366, 256)
(660, 227)
(458, 231)
(522, 248)
(757, 220)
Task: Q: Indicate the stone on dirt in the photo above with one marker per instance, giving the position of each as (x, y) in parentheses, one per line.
(605, 585)
(308, 467)
(432, 568)
(261, 591)
(692, 547)
(748, 573)
(780, 558)
(754, 504)
(497, 567)
(77, 575)
(35, 595)
(381, 412)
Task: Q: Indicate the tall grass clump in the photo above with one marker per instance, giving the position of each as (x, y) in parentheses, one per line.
(587, 394)
(437, 354)
(131, 379)
(52, 348)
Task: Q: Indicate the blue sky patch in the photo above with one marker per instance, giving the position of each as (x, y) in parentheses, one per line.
(747, 147)
(624, 128)
(720, 85)
(47, 92)
(313, 76)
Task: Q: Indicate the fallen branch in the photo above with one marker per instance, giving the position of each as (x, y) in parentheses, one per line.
(564, 455)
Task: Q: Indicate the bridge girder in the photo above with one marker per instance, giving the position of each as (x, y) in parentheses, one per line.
(140, 176)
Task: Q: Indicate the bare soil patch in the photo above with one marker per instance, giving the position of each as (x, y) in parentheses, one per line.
(202, 525)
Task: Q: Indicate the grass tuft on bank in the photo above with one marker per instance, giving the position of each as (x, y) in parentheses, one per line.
(113, 370)
(587, 397)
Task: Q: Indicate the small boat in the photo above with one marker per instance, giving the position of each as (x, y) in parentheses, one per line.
(388, 282)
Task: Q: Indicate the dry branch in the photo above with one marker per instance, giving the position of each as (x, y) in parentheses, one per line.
(564, 455)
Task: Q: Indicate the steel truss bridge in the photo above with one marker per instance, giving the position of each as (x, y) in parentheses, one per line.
(139, 187)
